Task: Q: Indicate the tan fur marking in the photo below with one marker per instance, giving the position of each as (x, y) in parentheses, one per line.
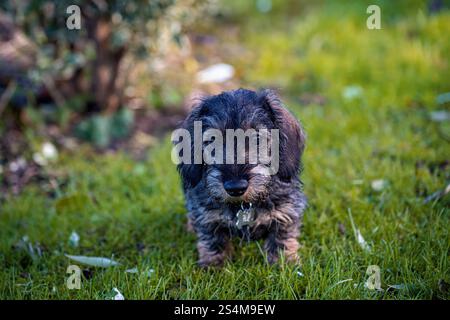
(281, 215)
(291, 247)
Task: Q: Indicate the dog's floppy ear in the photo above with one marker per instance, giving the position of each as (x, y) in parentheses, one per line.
(292, 136)
(191, 174)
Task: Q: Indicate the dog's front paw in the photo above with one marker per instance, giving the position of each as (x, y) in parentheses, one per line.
(209, 257)
(287, 248)
(207, 263)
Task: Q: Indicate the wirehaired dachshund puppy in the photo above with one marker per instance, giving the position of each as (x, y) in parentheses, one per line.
(252, 200)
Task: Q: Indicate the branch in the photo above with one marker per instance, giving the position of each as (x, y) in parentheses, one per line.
(7, 95)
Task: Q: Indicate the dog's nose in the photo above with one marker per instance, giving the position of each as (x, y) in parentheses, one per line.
(235, 188)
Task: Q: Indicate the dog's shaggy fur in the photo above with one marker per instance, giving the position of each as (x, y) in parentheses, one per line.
(277, 199)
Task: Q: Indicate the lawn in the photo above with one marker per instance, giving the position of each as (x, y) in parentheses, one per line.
(375, 162)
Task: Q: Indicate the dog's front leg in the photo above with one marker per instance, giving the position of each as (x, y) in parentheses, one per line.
(282, 240)
(213, 248)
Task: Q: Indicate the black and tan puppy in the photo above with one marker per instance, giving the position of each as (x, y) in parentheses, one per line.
(249, 200)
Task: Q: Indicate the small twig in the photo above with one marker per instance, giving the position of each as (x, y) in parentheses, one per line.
(7, 95)
(54, 93)
(349, 211)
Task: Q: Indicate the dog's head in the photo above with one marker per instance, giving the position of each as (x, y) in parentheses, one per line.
(249, 111)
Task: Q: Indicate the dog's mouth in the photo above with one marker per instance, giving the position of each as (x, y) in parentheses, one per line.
(249, 197)
(237, 199)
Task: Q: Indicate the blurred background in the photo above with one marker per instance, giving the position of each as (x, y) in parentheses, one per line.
(85, 116)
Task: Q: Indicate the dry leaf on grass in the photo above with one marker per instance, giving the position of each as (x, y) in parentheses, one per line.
(361, 241)
(93, 261)
(217, 73)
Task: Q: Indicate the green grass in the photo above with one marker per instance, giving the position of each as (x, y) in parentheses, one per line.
(134, 212)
